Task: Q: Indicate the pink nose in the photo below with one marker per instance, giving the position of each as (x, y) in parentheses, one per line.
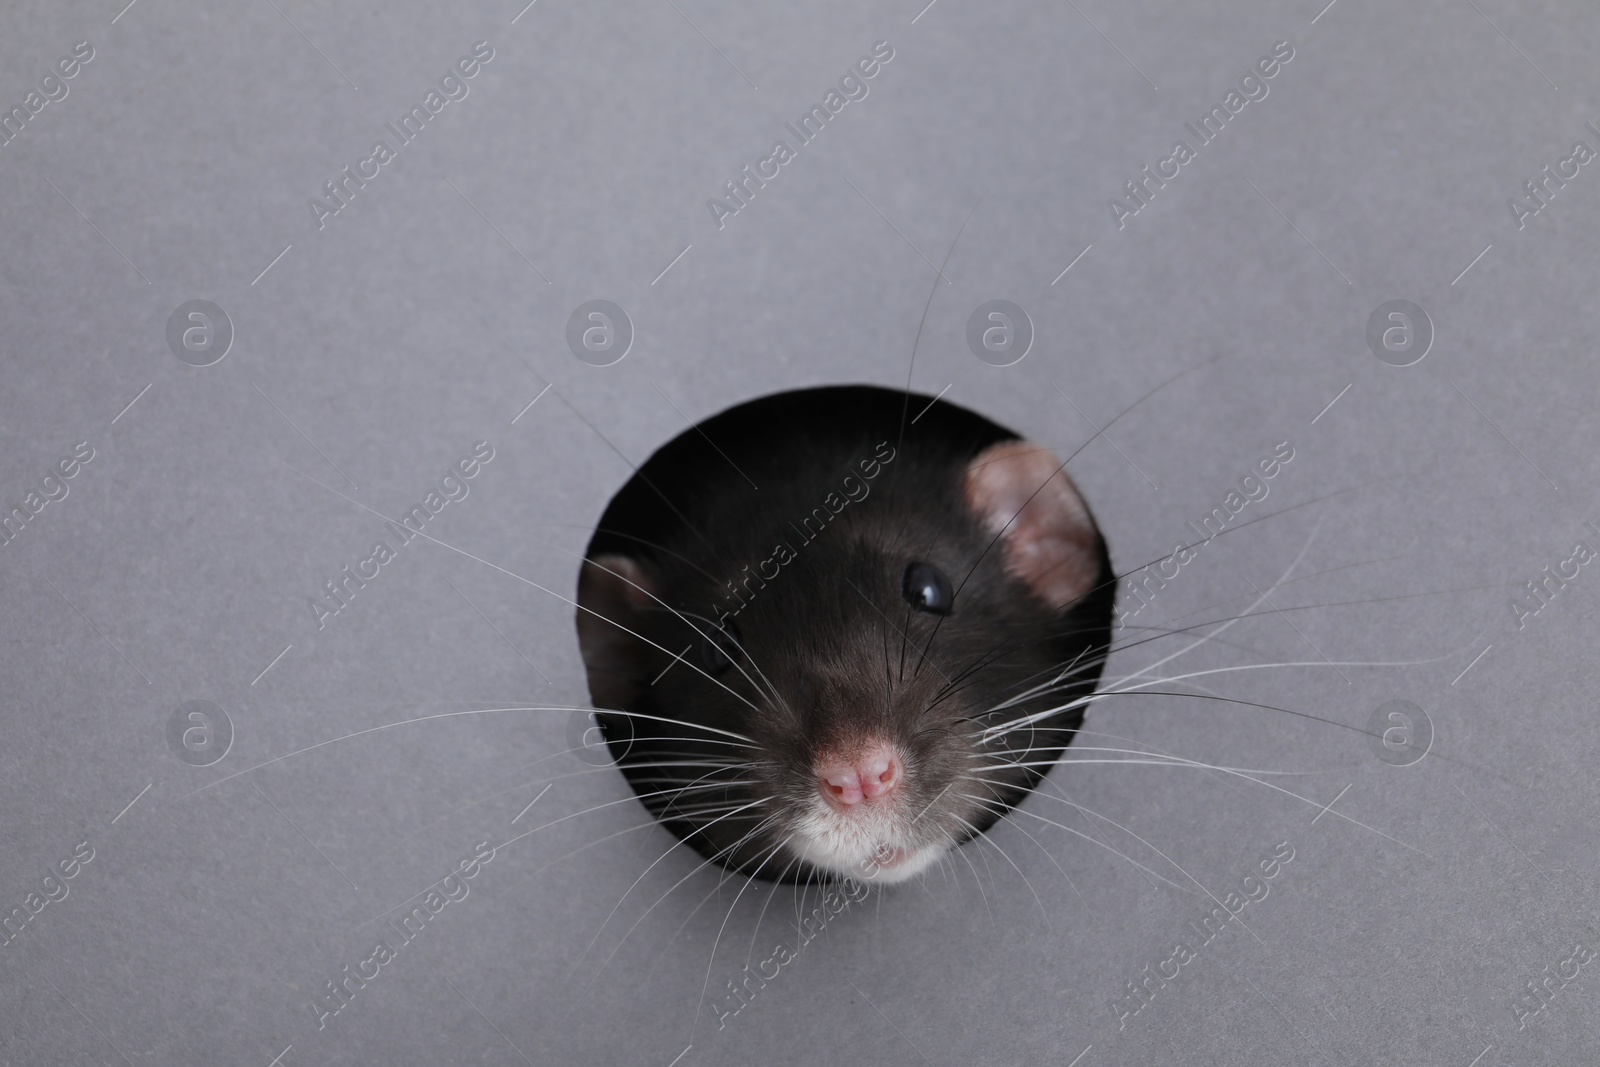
(873, 772)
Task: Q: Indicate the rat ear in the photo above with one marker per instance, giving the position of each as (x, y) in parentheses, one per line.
(1016, 489)
(615, 590)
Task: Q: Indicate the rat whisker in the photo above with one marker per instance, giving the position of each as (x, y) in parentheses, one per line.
(707, 809)
(1215, 635)
(639, 474)
(646, 825)
(978, 881)
(645, 764)
(656, 545)
(706, 984)
(691, 757)
(1064, 678)
(947, 867)
(662, 648)
(885, 618)
(670, 849)
(904, 641)
(1149, 747)
(722, 876)
(390, 726)
(1152, 633)
(1114, 579)
(1097, 843)
(723, 784)
(1307, 801)
(1023, 830)
(1256, 603)
(536, 585)
(1286, 711)
(623, 800)
(1262, 597)
(1159, 762)
(1345, 567)
(1302, 578)
(1160, 853)
(1102, 844)
(989, 840)
(911, 367)
(770, 689)
(1013, 725)
(1002, 649)
(749, 742)
(800, 898)
(751, 950)
(651, 823)
(731, 765)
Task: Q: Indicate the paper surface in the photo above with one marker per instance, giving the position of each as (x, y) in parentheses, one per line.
(278, 273)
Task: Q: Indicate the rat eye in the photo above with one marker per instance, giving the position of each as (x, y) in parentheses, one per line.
(927, 589)
(718, 648)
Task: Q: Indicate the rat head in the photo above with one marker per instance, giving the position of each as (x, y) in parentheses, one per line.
(832, 645)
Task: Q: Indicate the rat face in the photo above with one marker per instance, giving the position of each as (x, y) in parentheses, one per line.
(863, 662)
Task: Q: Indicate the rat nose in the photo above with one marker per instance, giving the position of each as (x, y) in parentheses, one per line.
(873, 772)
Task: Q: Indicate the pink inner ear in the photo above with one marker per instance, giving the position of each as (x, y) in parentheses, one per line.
(1049, 540)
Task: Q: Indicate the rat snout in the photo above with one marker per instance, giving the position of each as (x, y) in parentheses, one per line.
(870, 773)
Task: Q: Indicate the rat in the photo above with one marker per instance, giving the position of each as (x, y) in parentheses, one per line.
(826, 640)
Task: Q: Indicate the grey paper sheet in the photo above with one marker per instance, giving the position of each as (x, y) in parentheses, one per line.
(273, 269)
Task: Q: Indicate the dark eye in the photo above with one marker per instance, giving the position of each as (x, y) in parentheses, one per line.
(927, 589)
(718, 647)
